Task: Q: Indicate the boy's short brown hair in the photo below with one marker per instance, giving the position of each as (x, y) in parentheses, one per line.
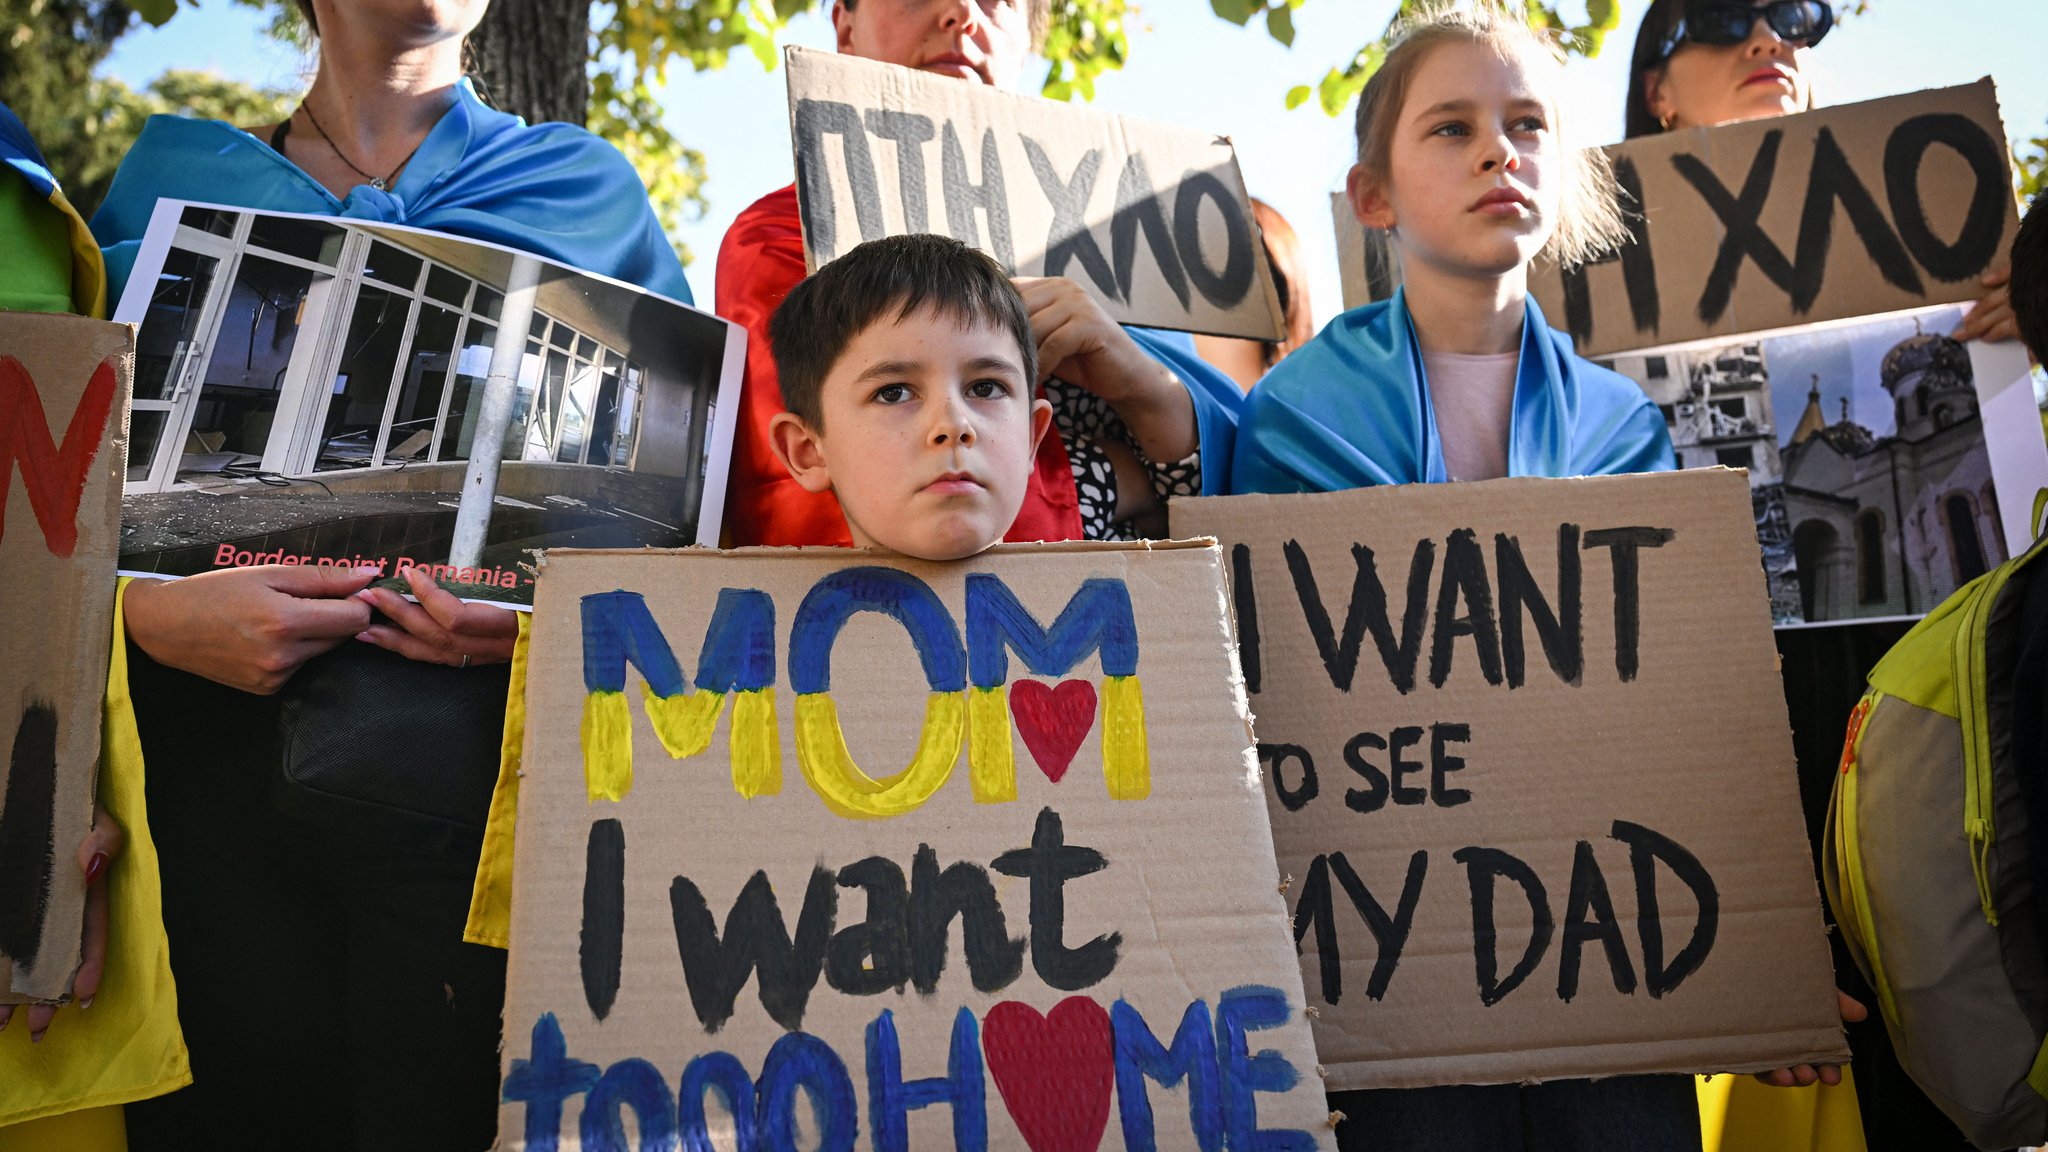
(897, 274)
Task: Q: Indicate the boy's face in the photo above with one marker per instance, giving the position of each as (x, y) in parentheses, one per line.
(1473, 187)
(930, 428)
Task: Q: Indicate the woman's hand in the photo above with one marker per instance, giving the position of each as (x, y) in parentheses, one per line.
(1079, 343)
(1992, 318)
(440, 629)
(247, 628)
(95, 858)
(1801, 1075)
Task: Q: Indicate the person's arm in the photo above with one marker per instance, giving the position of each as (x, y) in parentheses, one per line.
(1079, 343)
(247, 628)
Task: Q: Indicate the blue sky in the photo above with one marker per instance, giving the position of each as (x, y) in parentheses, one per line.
(1188, 67)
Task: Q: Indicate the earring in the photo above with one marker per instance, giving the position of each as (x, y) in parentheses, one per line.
(1664, 122)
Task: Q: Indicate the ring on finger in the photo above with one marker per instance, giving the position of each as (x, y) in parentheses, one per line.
(465, 661)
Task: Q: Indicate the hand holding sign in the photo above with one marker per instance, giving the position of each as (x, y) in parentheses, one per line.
(1079, 343)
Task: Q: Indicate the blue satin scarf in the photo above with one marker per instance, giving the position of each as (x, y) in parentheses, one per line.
(1351, 408)
(553, 190)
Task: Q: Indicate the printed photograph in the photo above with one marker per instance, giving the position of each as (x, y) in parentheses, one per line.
(312, 390)
(1866, 453)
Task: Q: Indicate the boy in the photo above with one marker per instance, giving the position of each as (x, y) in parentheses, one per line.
(909, 377)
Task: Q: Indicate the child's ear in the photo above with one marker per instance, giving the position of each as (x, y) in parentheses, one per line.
(1041, 419)
(801, 450)
(1368, 203)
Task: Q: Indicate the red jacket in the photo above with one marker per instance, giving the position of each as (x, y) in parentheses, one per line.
(761, 259)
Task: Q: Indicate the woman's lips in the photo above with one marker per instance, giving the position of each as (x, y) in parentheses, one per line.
(1502, 202)
(1768, 75)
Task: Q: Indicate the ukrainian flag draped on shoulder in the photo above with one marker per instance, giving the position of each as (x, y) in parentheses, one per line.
(53, 236)
(1351, 408)
(554, 190)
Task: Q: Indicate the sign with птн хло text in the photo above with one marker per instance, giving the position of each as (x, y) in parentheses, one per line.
(1875, 207)
(1153, 221)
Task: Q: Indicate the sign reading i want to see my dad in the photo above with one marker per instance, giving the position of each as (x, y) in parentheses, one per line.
(1529, 770)
(822, 850)
(1153, 221)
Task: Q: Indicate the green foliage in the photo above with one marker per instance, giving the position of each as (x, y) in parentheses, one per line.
(623, 110)
(2030, 167)
(1340, 86)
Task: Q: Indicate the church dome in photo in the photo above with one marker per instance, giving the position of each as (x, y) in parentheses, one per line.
(1930, 381)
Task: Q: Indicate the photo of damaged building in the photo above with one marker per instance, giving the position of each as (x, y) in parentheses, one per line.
(316, 388)
(1882, 506)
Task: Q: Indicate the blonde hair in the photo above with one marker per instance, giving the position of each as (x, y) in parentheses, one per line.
(1590, 219)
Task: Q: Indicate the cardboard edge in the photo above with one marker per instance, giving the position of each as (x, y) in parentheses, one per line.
(1035, 548)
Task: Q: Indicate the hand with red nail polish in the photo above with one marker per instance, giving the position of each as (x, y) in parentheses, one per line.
(95, 858)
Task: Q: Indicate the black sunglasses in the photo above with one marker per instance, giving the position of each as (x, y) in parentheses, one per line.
(1804, 22)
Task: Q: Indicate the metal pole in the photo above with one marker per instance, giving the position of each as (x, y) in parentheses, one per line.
(487, 446)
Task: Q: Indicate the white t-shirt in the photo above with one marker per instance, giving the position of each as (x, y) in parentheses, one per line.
(1474, 398)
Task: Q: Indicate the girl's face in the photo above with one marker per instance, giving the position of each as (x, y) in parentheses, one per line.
(1474, 164)
(1707, 84)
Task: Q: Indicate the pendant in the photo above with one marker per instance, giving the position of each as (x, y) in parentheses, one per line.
(378, 183)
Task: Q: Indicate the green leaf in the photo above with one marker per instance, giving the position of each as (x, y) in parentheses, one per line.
(1298, 95)
(157, 12)
(1280, 25)
(1238, 12)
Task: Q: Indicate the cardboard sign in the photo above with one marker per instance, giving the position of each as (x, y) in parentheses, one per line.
(1153, 221)
(63, 389)
(730, 892)
(1530, 775)
(1875, 207)
(1368, 267)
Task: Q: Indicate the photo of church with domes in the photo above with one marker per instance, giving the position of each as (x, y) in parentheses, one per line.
(1869, 475)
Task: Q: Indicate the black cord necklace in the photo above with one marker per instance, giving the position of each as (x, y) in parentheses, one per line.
(380, 183)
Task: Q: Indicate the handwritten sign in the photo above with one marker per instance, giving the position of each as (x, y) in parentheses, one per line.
(968, 855)
(1529, 770)
(1368, 267)
(1153, 221)
(1874, 207)
(63, 388)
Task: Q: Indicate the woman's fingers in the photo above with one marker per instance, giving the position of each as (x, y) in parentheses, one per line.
(440, 629)
(95, 857)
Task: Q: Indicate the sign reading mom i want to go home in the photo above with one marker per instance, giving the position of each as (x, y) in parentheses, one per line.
(823, 849)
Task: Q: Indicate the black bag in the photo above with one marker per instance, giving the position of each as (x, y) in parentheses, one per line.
(373, 741)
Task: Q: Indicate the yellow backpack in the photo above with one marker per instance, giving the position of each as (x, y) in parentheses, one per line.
(1926, 863)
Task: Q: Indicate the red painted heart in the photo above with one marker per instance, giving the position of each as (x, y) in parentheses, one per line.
(1053, 721)
(1054, 1070)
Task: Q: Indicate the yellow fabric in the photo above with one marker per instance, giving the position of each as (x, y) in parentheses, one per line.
(490, 900)
(88, 266)
(92, 1130)
(1741, 1114)
(128, 1045)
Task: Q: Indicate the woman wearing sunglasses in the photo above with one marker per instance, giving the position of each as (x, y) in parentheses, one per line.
(1698, 63)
